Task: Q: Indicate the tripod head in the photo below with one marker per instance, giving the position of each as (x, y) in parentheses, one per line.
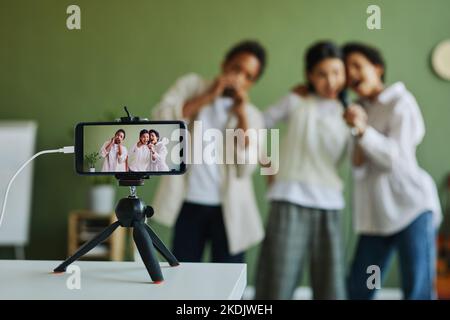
(132, 209)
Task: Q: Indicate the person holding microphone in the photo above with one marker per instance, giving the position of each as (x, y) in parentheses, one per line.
(396, 207)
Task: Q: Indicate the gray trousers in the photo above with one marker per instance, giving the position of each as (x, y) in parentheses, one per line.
(294, 235)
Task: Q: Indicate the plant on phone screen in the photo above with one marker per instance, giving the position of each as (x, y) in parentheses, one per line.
(92, 158)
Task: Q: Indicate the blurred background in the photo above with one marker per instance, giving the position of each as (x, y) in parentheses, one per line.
(129, 53)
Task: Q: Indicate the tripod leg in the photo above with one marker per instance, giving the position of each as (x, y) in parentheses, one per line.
(147, 251)
(162, 249)
(88, 246)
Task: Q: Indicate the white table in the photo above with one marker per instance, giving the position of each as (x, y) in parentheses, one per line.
(21, 279)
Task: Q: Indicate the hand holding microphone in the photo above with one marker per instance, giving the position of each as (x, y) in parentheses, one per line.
(222, 86)
(355, 116)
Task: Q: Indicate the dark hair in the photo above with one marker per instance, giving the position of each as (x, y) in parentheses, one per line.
(372, 54)
(252, 47)
(143, 131)
(121, 130)
(155, 132)
(317, 53)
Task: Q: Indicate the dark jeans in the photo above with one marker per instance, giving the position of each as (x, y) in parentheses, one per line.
(196, 225)
(417, 256)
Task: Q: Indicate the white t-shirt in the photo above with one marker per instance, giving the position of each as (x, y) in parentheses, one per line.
(112, 162)
(390, 189)
(308, 191)
(139, 159)
(205, 180)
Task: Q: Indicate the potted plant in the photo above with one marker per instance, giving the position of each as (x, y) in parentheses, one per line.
(91, 160)
(102, 194)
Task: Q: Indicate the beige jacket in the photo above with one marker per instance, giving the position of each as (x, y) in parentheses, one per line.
(241, 215)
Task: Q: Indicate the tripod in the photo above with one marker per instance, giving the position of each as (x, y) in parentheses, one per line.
(131, 213)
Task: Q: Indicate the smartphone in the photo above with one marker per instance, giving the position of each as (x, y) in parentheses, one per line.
(130, 148)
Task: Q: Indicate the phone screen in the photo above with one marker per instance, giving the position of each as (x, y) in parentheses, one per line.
(147, 147)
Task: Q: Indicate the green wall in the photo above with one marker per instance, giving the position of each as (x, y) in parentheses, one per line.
(129, 53)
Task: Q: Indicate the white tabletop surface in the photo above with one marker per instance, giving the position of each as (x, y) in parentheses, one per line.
(121, 280)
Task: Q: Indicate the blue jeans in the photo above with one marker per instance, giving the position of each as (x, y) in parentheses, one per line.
(416, 247)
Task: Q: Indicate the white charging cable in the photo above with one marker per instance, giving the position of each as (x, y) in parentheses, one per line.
(62, 150)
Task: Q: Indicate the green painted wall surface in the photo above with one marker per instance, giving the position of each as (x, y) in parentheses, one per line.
(129, 53)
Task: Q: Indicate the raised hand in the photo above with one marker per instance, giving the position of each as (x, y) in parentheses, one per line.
(356, 117)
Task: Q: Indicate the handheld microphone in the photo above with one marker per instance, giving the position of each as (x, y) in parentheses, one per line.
(343, 98)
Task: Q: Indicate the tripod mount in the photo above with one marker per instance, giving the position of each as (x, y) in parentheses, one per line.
(131, 212)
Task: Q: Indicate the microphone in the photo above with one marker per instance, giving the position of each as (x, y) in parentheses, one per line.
(343, 98)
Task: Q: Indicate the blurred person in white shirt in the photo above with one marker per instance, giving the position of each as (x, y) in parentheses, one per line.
(214, 202)
(396, 207)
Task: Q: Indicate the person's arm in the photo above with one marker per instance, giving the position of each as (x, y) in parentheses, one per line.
(122, 153)
(405, 131)
(188, 96)
(356, 118)
(110, 145)
(279, 111)
(160, 153)
(151, 147)
(106, 148)
(301, 90)
(193, 106)
(172, 103)
(358, 158)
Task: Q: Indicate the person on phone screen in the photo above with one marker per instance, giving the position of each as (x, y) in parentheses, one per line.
(140, 153)
(114, 153)
(158, 152)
